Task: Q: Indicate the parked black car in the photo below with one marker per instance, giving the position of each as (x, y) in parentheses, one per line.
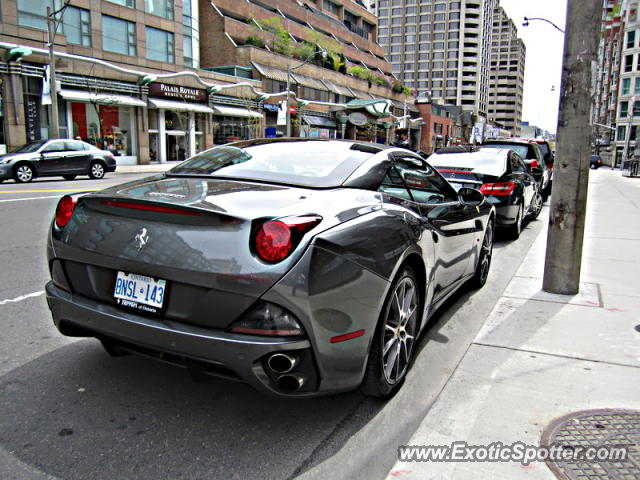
(596, 162)
(501, 175)
(529, 151)
(52, 158)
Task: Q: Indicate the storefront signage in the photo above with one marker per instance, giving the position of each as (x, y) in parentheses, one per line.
(270, 107)
(32, 120)
(177, 91)
(358, 119)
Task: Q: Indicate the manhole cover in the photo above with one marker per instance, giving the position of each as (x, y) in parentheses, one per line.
(592, 434)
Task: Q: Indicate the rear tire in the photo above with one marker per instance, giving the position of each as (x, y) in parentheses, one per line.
(484, 262)
(514, 230)
(96, 170)
(68, 177)
(536, 207)
(392, 346)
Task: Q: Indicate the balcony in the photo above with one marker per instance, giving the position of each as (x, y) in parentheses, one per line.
(362, 32)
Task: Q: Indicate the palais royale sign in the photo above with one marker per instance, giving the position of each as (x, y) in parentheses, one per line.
(177, 91)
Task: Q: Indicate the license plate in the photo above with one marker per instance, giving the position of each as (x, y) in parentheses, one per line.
(139, 291)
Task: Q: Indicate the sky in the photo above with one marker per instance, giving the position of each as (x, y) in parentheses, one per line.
(543, 67)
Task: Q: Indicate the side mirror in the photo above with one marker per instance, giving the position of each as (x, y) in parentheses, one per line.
(470, 196)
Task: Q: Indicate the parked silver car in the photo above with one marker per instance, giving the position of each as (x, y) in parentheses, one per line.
(301, 267)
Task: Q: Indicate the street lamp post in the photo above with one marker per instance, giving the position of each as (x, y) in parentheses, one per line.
(528, 19)
(289, 70)
(54, 127)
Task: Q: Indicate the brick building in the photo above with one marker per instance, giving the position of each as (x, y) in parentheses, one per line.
(112, 54)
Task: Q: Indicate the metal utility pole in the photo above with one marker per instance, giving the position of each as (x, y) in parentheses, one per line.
(571, 169)
(54, 124)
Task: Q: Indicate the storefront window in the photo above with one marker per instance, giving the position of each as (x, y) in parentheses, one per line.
(199, 133)
(231, 129)
(176, 120)
(109, 127)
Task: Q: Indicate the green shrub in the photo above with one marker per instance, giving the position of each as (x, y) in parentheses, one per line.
(255, 41)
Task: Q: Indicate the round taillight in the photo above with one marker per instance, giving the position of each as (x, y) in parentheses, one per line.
(534, 164)
(273, 241)
(64, 211)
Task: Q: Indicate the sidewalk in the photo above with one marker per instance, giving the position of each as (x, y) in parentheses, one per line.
(540, 356)
(149, 168)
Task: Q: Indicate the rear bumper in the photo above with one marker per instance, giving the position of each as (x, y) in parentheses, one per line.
(506, 212)
(220, 353)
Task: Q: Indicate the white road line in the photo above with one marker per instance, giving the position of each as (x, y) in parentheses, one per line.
(29, 198)
(22, 297)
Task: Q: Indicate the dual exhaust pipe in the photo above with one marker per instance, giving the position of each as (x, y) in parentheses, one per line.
(283, 364)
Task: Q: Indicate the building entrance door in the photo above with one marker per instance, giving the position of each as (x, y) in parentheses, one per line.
(177, 146)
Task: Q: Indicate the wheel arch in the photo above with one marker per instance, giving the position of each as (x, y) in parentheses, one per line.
(31, 164)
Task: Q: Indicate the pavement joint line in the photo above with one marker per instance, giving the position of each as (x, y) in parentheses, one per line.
(29, 198)
(548, 300)
(557, 355)
(21, 297)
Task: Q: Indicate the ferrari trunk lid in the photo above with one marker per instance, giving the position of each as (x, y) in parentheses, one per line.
(194, 235)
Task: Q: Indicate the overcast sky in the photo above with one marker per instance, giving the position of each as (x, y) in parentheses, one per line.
(544, 57)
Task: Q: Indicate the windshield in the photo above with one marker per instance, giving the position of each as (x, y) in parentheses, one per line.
(304, 163)
(29, 147)
(519, 149)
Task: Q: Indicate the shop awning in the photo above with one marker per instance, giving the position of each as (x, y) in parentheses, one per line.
(236, 112)
(179, 106)
(105, 98)
(319, 121)
(339, 89)
(361, 94)
(272, 73)
(309, 82)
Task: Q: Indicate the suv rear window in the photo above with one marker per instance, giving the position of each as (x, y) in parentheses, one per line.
(521, 150)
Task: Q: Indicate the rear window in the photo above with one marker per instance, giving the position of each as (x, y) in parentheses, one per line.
(521, 150)
(302, 163)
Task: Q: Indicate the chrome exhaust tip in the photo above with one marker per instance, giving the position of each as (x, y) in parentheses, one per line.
(281, 362)
(290, 383)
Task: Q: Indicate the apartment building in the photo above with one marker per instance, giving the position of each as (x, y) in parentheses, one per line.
(628, 94)
(606, 78)
(232, 29)
(441, 46)
(506, 86)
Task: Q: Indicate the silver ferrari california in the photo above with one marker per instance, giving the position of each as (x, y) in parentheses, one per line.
(302, 267)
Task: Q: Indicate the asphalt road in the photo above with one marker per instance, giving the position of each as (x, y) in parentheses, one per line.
(69, 411)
